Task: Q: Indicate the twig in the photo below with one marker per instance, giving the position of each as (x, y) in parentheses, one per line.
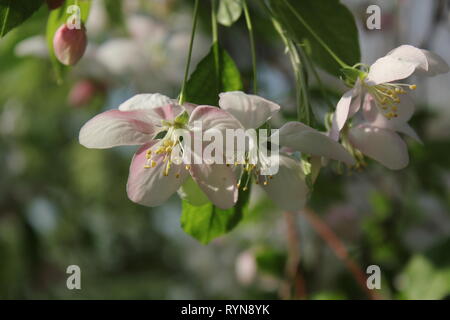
(295, 281)
(327, 234)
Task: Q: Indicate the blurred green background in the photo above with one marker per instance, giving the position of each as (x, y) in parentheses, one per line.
(63, 204)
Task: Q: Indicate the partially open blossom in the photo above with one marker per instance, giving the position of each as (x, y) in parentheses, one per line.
(54, 4)
(69, 45)
(287, 188)
(387, 107)
(154, 172)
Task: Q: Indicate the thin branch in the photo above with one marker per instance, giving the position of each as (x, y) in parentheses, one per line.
(327, 234)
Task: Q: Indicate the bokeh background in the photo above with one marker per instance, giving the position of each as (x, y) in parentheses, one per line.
(62, 204)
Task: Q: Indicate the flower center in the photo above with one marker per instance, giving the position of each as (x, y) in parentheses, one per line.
(253, 163)
(387, 97)
(168, 151)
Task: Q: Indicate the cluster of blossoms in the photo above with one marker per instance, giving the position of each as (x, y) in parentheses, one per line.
(385, 104)
(154, 122)
(164, 129)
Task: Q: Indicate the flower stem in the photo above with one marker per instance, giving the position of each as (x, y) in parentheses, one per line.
(252, 45)
(181, 99)
(315, 35)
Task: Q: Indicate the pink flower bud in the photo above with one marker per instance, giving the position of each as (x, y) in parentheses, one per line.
(54, 4)
(69, 44)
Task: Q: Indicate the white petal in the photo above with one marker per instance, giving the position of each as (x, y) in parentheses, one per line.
(388, 69)
(347, 106)
(115, 128)
(409, 131)
(218, 182)
(252, 111)
(149, 186)
(307, 140)
(212, 117)
(372, 113)
(287, 188)
(382, 145)
(145, 101)
(428, 63)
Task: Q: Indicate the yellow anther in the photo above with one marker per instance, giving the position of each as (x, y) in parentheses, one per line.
(244, 189)
(147, 166)
(398, 90)
(394, 108)
(177, 175)
(256, 182)
(266, 183)
(413, 87)
(153, 163)
(188, 167)
(270, 177)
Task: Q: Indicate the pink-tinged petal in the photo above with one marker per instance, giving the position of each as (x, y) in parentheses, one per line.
(388, 69)
(189, 107)
(212, 117)
(287, 188)
(149, 186)
(307, 140)
(428, 63)
(373, 114)
(218, 182)
(382, 145)
(145, 101)
(168, 112)
(116, 128)
(400, 124)
(252, 111)
(347, 106)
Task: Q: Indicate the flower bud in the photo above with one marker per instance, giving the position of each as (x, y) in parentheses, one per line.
(69, 44)
(54, 4)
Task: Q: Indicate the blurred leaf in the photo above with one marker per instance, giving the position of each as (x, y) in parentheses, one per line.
(15, 12)
(331, 21)
(208, 222)
(421, 280)
(114, 8)
(229, 12)
(271, 261)
(210, 79)
(56, 19)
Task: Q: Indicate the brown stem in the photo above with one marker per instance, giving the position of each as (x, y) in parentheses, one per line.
(327, 234)
(294, 277)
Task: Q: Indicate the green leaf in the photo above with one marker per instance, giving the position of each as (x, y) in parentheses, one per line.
(331, 21)
(191, 192)
(207, 222)
(421, 280)
(15, 12)
(56, 19)
(229, 11)
(214, 74)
